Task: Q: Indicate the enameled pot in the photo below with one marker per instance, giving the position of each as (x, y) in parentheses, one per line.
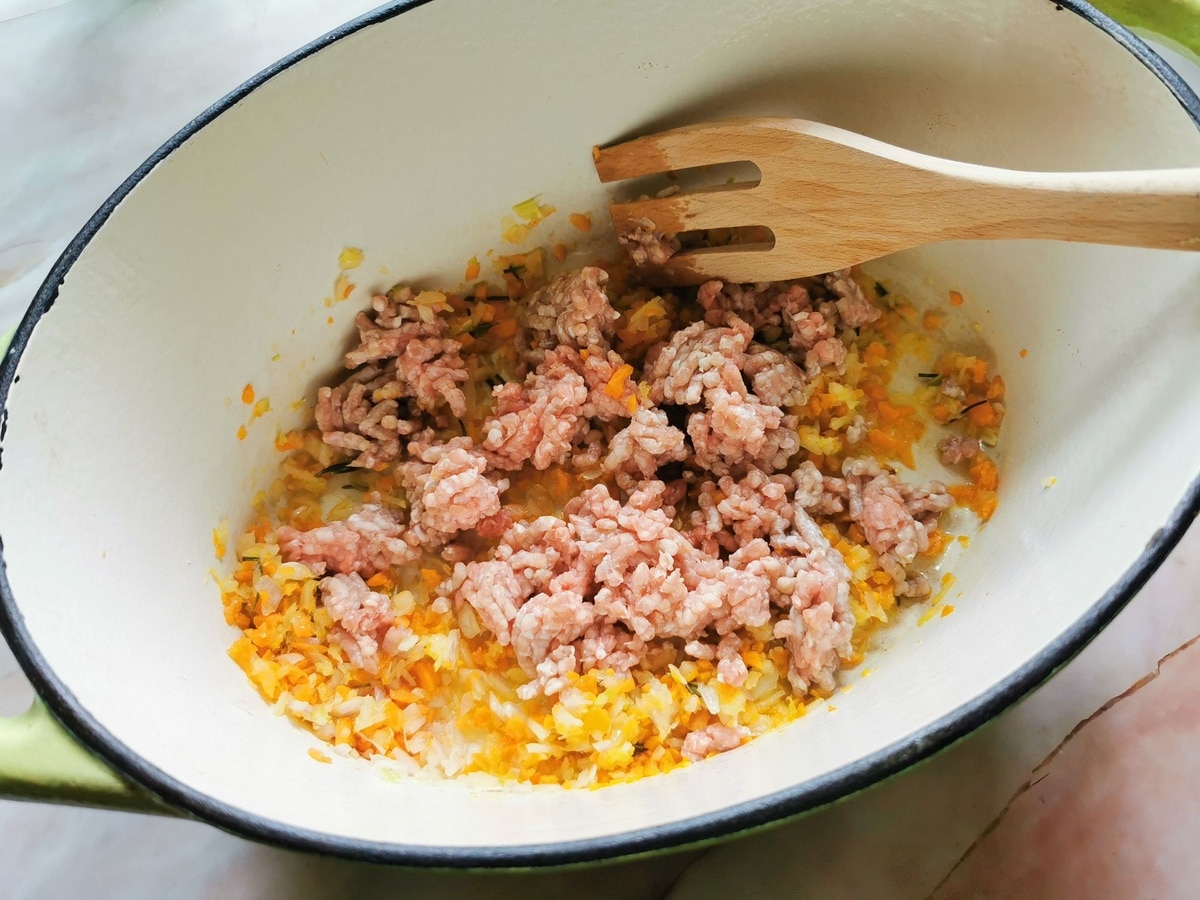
(408, 133)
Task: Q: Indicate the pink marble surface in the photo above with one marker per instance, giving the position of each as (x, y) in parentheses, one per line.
(1088, 788)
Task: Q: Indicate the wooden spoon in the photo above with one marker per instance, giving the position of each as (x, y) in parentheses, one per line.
(833, 199)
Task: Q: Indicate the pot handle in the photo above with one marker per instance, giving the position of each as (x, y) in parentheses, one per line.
(40, 760)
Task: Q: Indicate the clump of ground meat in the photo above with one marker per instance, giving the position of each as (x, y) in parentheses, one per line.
(955, 450)
(406, 369)
(361, 614)
(713, 739)
(694, 530)
(647, 246)
(448, 490)
(572, 310)
(369, 541)
(895, 517)
(644, 446)
(538, 421)
(774, 378)
(698, 359)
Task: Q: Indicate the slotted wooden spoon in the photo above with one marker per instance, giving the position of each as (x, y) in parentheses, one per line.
(833, 198)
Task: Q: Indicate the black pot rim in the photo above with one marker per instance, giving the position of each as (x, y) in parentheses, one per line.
(698, 829)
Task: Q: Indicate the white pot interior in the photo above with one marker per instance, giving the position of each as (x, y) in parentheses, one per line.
(410, 138)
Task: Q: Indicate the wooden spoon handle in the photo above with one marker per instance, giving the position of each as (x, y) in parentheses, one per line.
(1159, 208)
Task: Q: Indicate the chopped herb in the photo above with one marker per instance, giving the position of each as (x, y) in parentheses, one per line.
(880, 290)
(482, 328)
(639, 747)
(353, 486)
(929, 374)
(692, 689)
(250, 556)
(339, 469)
(967, 409)
(515, 271)
(494, 380)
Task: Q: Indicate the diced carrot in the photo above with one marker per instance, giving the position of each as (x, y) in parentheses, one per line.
(940, 412)
(426, 677)
(632, 405)
(472, 270)
(995, 389)
(887, 412)
(241, 432)
(978, 371)
(560, 252)
(582, 221)
(956, 299)
(285, 443)
(248, 394)
(380, 580)
(616, 385)
(1024, 353)
(505, 329)
(946, 610)
(932, 320)
(984, 415)
(343, 730)
(432, 578)
(481, 291)
(984, 474)
(937, 542)
(348, 289)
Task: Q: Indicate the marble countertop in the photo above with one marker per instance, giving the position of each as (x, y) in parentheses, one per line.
(1090, 787)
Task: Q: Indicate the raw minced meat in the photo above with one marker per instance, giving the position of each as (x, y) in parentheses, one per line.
(572, 310)
(590, 539)
(644, 446)
(369, 541)
(648, 247)
(538, 421)
(361, 614)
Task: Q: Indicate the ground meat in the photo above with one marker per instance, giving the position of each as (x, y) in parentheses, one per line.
(819, 494)
(731, 668)
(735, 512)
(572, 310)
(538, 421)
(550, 675)
(352, 419)
(645, 245)
(829, 353)
(598, 368)
(807, 328)
(697, 360)
(541, 552)
(767, 306)
(713, 739)
(737, 430)
(447, 489)
(649, 577)
(427, 367)
(494, 593)
(853, 306)
(547, 621)
(607, 646)
(896, 518)
(370, 541)
(431, 370)
(638, 451)
(810, 579)
(775, 379)
(954, 450)
(360, 613)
